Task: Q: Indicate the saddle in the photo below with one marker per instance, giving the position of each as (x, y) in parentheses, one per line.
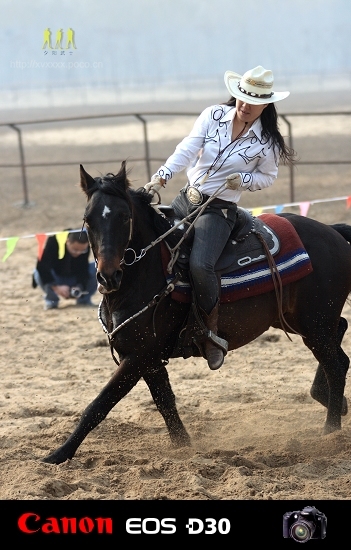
(244, 246)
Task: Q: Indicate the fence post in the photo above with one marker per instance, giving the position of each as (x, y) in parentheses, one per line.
(23, 165)
(291, 167)
(146, 145)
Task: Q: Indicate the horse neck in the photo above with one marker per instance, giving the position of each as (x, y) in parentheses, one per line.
(143, 235)
(143, 231)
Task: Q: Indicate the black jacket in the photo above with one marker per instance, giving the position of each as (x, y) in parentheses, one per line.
(68, 266)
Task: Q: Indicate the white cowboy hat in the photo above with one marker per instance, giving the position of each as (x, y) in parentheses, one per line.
(254, 87)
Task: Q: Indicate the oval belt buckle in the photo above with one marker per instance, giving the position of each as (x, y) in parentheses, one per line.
(194, 195)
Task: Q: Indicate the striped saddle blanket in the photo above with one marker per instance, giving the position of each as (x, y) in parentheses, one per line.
(292, 262)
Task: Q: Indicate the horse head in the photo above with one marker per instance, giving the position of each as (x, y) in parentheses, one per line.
(108, 219)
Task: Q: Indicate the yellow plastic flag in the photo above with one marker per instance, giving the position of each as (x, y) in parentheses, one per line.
(256, 211)
(10, 247)
(61, 239)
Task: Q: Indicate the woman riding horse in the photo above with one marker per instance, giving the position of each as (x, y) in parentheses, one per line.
(236, 146)
(144, 323)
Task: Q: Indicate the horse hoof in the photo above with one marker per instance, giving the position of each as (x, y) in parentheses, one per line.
(322, 400)
(179, 441)
(330, 429)
(55, 458)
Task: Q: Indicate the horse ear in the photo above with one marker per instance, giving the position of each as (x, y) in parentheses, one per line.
(122, 173)
(86, 181)
(123, 170)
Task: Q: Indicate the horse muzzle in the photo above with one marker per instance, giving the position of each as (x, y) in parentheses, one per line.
(109, 283)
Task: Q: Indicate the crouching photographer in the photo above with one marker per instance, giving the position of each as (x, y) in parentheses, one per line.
(70, 277)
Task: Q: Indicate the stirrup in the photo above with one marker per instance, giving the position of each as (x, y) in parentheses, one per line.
(219, 342)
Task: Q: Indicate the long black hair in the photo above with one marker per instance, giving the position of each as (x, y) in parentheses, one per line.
(270, 130)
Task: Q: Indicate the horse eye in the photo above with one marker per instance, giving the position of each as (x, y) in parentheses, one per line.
(126, 218)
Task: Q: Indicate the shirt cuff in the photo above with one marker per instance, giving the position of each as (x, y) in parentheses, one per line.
(165, 173)
(246, 178)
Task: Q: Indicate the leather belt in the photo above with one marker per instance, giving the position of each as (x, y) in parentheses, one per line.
(194, 195)
(197, 198)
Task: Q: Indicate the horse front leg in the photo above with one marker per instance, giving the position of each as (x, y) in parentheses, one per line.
(123, 380)
(164, 399)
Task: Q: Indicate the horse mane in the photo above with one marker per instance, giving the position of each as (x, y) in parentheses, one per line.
(111, 184)
(160, 223)
(114, 184)
(119, 186)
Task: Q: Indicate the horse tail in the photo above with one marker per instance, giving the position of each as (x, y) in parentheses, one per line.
(343, 229)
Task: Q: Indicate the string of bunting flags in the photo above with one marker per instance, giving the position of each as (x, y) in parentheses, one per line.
(61, 236)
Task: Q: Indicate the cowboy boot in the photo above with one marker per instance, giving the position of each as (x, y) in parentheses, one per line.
(215, 347)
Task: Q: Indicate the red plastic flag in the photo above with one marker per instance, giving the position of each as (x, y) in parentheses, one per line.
(41, 238)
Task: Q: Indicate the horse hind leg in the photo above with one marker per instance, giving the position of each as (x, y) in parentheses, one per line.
(325, 346)
(161, 391)
(320, 389)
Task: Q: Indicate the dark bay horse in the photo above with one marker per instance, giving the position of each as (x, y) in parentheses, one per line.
(146, 329)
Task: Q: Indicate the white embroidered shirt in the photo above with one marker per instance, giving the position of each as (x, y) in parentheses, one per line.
(208, 148)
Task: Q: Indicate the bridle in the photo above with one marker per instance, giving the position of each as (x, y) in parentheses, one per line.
(189, 219)
(154, 302)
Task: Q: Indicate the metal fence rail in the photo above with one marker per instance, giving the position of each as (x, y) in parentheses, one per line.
(17, 127)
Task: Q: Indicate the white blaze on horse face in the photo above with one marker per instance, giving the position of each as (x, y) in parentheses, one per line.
(106, 211)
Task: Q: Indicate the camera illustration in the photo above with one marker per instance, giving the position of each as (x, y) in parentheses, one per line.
(76, 292)
(305, 524)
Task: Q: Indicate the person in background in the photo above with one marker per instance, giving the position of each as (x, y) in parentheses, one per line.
(72, 277)
(234, 147)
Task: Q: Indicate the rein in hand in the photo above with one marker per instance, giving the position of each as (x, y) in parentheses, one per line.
(174, 251)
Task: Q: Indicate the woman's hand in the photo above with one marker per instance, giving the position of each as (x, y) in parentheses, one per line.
(234, 181)
(155, 185)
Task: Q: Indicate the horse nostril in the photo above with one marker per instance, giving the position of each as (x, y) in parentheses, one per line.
(109, 282)
(101, 279)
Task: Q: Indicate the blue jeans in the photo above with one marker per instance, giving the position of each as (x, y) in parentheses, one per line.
(211, 233)
(51, 296)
